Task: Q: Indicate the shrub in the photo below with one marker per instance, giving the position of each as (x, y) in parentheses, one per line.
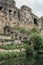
(29, 53)
(36, 40)
(34, 30)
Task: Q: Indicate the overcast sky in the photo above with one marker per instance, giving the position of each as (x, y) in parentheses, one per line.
(36, 5)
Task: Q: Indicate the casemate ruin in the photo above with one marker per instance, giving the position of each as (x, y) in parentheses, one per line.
(13, 18)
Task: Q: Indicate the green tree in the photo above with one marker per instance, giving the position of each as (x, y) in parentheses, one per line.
(33, 50)
(36, 40)
(29, 52)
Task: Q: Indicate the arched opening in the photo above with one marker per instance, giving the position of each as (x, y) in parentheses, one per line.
(35, 21)
(7, 30)
(19, 15)
(1, 8)
(10, 11)
(15, 13)
(24, 9)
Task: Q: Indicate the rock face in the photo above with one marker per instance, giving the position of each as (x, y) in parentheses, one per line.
(11, 18)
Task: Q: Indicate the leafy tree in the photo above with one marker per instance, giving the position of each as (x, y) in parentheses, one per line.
(36, 40)
(36, 44)
(29, 52)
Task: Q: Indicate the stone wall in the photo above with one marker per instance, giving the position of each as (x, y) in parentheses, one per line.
(16, 17)
(13, 17)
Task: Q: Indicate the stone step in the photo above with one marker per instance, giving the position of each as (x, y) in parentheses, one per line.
(15, 50)
(5, 37)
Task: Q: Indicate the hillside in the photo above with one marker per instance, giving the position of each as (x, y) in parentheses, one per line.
(21, 34)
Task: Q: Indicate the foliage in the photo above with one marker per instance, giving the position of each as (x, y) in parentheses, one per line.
(29, 52)
(26, 41)
(34, 30)
(6, 55)
(36, 45)
(36, 40)
(23, 30)
(12, 46)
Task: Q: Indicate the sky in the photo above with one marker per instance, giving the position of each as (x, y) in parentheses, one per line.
(35, 5)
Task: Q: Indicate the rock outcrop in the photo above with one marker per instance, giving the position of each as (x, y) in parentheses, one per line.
(12, 18)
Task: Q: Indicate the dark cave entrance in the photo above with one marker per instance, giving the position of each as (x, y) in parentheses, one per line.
(10, 11)
(7, 30)
(35, 21)
(15, 13)
(1, 8)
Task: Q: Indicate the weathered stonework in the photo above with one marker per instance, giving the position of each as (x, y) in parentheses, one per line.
(11, 18)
